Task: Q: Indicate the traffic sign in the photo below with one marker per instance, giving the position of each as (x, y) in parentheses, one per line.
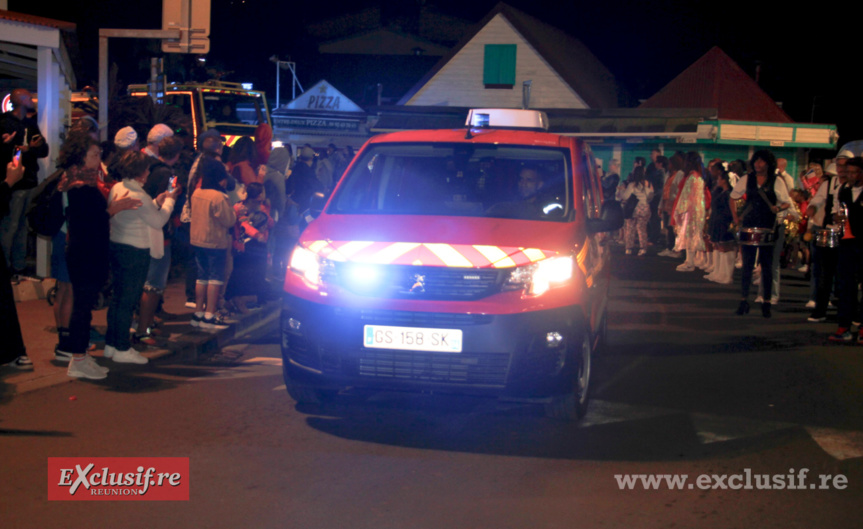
(192, 18)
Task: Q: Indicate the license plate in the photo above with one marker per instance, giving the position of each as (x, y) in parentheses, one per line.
(412, 338)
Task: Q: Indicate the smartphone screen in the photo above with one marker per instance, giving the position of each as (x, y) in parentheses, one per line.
(173, 182)
(17, 157)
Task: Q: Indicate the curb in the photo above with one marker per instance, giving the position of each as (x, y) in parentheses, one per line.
(187, 346)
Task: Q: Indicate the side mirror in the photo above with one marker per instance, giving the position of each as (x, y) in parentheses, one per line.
(610, 218)
(316, 204)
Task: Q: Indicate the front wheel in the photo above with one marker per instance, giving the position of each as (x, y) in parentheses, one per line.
(572, 406)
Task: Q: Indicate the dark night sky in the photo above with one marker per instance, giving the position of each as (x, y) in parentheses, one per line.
(645, 44)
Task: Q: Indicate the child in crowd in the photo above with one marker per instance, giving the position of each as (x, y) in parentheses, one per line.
(247, 284)
(212, 217)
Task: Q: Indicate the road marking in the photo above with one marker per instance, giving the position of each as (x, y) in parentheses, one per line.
(841, 444)
(709, 428)
(716, 428)
(604, 412)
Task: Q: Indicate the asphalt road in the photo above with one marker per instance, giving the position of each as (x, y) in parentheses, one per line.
(684, 388)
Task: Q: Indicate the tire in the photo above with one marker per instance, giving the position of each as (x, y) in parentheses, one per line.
(572, 406)
(603, 335)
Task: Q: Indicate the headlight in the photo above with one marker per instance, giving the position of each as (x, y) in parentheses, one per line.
(538, 277)
(306, 263)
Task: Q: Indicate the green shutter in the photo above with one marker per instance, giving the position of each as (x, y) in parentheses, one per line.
(499, 65)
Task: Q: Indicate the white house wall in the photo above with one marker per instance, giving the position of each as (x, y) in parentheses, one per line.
(460, 82)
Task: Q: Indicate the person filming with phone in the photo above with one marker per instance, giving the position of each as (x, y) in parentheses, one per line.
(19, 133)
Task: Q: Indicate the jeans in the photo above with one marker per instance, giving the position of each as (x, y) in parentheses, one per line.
(13, 231)
(774, 266)
(10, 328)
(186, 255)
(157, 272)
(129, 267)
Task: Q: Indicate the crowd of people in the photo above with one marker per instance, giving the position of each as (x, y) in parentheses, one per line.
(753, 217)
(129, 211)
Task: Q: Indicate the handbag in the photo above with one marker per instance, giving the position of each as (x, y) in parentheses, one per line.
(629, 206)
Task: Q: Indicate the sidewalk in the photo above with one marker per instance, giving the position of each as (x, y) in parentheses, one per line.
(180, 342)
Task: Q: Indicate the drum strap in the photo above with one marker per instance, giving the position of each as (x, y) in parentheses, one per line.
(748, 207)
(771, 204)
(828, 205)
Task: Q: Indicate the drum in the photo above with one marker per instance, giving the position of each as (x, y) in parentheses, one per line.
(756, 236)
(828, 237)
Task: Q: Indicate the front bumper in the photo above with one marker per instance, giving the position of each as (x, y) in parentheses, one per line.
(505, 356)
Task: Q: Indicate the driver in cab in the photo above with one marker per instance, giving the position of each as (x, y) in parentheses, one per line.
(531, 183)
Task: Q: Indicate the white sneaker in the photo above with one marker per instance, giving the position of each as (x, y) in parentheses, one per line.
(83, 368)
(664, 253)
(129, 356)
(93, 361)
(810, 304)
(759, 299)
(675, 255)
(685, 267)
(628, 252)
(109, 351)
(804, 269)
(642, 252)
(774, 301)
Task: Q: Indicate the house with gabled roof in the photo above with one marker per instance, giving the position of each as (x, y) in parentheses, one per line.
(491, 65)
(746, 117)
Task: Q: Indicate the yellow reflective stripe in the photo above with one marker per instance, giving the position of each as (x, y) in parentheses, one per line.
(582, 254)
(317, 246)
(392, 252)
(496, 256)
(351, 248)
(449, 255)
(533, 254)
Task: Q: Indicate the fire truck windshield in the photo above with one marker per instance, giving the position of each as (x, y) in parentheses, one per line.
(234, 108)
(504, 181)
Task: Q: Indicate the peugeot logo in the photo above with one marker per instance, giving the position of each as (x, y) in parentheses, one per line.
(419, 285)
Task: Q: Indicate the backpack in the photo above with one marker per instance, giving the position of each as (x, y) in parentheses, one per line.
(46, 215)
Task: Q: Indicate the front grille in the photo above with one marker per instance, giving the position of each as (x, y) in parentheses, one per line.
(301, 351)
(443, 320)
(474, 369)
(416, 282)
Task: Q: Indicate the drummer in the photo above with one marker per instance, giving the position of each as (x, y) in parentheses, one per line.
(766, 196)
(850, 266)
(822, 206)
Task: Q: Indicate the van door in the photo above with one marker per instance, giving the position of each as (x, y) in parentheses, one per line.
(596, 262)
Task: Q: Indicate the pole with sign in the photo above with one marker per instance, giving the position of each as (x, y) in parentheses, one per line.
(192, 18)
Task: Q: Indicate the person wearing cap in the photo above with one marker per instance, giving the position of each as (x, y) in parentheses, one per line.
(159, 132)
(303, 182)
(126, 139)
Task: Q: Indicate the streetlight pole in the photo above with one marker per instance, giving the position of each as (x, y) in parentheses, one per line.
(278, 77)
(292, 66)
